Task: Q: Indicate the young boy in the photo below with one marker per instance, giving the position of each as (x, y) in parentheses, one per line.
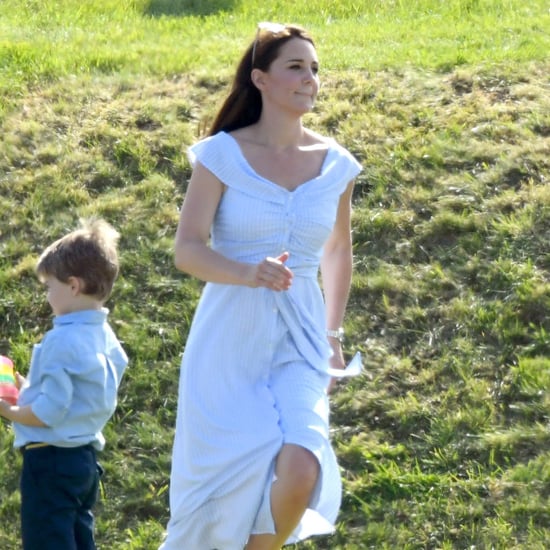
(70, 392)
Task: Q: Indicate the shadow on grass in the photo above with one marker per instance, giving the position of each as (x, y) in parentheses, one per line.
(158, 8)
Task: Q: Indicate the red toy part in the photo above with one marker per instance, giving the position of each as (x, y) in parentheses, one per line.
(9, 393)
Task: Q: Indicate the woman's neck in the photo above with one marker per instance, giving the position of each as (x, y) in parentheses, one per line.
(279, 132)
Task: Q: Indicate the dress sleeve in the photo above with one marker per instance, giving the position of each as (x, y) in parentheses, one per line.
(204, 148)
(341, 167)
(216, 153)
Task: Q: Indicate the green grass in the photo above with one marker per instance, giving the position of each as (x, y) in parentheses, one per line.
(444, 442)
(43, 41)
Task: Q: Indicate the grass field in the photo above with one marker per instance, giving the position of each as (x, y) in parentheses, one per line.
(444, 442)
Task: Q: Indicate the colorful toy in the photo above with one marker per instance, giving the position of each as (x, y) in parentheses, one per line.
(8, 389)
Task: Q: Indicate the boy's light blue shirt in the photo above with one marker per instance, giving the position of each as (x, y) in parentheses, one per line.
(73, 381)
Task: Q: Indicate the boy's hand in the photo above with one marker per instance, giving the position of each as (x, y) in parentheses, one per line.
(19, 380)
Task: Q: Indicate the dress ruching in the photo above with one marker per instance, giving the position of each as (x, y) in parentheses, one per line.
(254, 370)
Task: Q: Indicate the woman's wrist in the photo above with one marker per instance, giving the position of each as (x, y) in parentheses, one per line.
(336, 334)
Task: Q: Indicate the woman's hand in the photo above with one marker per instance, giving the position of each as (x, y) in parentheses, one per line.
(336, 361)
(271, 273)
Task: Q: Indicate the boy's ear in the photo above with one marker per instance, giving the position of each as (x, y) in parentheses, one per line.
(76, 284)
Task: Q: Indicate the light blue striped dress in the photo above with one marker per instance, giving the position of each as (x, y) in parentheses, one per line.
(253, 375)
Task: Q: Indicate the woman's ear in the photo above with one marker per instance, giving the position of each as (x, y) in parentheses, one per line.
(258, 78)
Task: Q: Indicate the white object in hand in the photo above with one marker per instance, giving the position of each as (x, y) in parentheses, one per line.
(354, 368)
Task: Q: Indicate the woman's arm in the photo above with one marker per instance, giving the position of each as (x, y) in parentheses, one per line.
(193, 255)
(336, 272)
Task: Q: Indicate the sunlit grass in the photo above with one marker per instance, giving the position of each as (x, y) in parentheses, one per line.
(47, 40)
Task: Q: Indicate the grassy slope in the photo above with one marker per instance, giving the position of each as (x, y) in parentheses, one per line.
(444, 442)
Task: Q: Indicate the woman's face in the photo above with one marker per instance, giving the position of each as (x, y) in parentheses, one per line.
(292, 82)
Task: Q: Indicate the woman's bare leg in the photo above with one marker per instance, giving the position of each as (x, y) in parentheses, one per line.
(297, 471)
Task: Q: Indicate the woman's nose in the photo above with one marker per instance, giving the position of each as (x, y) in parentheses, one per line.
(309, 75)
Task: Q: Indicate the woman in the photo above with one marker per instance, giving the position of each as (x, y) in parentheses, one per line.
(268, 202)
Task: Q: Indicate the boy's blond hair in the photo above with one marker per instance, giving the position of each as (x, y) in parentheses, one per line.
(89, 253)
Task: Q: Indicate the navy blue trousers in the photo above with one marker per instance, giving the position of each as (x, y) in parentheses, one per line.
(59, 487)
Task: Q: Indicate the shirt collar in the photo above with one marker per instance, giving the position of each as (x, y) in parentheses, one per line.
(90, 316)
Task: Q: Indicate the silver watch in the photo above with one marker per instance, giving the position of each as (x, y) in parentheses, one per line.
(338, 333)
